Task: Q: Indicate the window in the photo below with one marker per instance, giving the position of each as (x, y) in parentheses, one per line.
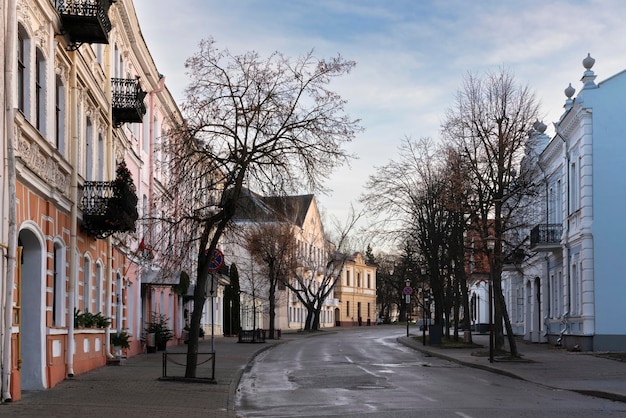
(99, 293)
(575, 288)
(347, 277)
(40, 92)
(574, 187)
(347, 309)
(87, 285)
(145, 126)
(89, 150)
(100, 157)
(358, 279)
(131, 307)
(59, 115)
(58, 286)
(21, 70)
(369, 281)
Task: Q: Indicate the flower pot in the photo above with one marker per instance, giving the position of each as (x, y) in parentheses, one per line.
(151, 342)
(117, 351)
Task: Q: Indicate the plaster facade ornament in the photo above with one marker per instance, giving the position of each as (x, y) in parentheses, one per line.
(43, 165)
(41, 37)
(588, 76)
(588, 62)
(62, 71)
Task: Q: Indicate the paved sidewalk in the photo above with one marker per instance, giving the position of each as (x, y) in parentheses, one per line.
(543, 364)
(133, 388)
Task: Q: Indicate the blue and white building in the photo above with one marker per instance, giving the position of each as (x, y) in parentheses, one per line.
(571, 289)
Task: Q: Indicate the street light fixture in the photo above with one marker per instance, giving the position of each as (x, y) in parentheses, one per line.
(491, 245)
(407, 293)
(425, 296)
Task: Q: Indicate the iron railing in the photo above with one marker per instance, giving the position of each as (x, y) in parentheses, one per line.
(85, 20)
(108, 207)
(546, 235)
(127, 101)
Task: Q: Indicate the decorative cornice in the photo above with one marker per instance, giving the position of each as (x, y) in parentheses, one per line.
(41, 164)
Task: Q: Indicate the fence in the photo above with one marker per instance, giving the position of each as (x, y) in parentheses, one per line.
(205, 367)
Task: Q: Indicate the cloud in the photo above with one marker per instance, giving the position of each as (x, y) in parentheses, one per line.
(411, 55)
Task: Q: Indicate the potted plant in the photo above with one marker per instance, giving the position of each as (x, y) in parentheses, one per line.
(120, 341)
(158, 327)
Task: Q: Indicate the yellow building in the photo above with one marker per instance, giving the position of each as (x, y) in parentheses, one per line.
(356, 292)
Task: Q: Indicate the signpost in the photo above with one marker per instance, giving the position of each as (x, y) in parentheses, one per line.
(217, 261)
(408, 291)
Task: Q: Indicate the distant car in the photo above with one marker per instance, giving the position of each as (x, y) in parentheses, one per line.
(379, 320)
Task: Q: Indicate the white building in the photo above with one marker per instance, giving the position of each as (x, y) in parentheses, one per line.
(570, 290)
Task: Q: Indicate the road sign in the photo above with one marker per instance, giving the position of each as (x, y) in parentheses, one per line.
(408, 290)
(217, 261)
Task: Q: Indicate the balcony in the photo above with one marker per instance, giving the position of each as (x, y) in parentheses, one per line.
(546, 237)
(127, 103)
(85, 21)
(108, 207)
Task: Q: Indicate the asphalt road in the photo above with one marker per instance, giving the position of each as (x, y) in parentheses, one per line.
(365, 372)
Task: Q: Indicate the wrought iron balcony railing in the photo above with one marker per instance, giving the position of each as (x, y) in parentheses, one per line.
(85, 21)
(127, 102)
(108, 207)
(546, 237)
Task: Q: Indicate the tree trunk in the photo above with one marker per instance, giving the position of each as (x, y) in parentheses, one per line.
(272, 307)
(194, 326)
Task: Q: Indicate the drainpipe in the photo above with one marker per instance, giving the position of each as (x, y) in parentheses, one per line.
(107, 304)
(109, 159)
(9, 96)
(73, 213)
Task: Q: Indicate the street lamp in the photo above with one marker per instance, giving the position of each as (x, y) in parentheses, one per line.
(425, 296)
(491, 244)
(407, 294)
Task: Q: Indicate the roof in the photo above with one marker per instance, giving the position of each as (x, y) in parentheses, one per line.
(252, 206)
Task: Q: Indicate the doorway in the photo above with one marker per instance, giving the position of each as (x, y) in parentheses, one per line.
(32, 322)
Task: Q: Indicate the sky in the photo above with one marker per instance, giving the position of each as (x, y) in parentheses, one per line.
(411, 56)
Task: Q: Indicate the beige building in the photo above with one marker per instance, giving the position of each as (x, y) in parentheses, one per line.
(356, 292)
(311, 254)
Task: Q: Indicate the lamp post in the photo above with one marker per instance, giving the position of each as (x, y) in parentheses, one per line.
(491, 244)
(426, 302)
(425, 296)
(407, 294)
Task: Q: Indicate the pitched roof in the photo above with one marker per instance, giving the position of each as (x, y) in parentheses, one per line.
(254, 207)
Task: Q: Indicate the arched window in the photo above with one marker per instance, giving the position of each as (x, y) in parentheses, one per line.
(87, 285)
(58, 286)
(99, 288)
(59, 114)
(118, 302)
(89, 150)
(40, 92)
(100, 157)
(23, 61)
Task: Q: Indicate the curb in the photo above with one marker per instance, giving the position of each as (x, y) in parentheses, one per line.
(433, 353)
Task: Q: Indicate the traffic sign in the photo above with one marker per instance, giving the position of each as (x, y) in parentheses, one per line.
(217, 261)
(408, 290)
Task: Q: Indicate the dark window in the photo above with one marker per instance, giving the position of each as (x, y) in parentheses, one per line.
(21, 73)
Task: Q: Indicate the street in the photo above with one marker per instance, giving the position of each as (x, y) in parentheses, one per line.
(365, 372)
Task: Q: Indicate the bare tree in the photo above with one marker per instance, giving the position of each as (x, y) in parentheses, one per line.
(272, 125)
(489, 123)
(273, 246)
(411, 191)
(315, 276)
